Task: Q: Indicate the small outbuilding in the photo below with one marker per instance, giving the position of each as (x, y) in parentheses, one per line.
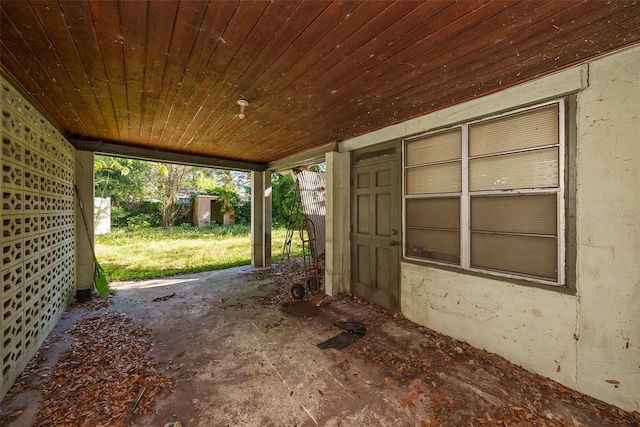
(208, 210)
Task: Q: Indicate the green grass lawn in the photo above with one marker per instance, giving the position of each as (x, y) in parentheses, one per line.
(127, 254)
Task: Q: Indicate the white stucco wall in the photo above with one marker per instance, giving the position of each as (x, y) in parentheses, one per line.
(608, 230)
(531, 327)
(582, 339)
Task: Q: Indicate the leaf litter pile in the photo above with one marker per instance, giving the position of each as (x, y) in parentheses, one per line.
(286, 273)
(463, 385)
(460, 384)
(105, 378)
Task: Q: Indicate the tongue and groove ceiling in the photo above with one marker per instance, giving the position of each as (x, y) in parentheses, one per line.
(167, 75)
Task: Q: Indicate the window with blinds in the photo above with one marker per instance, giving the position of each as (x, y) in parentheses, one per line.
(433, 184)
(488, 195)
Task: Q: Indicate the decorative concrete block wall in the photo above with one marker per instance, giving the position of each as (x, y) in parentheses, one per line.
(37, 226)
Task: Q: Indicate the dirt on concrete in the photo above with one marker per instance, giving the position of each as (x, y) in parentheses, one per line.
(233, 348)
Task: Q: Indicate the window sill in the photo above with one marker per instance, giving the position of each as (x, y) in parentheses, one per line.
(532, 283)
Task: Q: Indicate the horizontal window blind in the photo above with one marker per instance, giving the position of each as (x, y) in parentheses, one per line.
(434, 148)
(437, 245)
(440, 178)
(530, 169)
(528, 255)
(434, 213)
(533, 128)
(528, 214)
(487, 195)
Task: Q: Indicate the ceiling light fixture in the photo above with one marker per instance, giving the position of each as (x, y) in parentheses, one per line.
(242, 103)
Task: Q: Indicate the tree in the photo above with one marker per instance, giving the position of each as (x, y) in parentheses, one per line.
(242, 183)
(224, 178)
(124, 180)
(284, 199)
(129, 180)
(168, 180)
(229, 199)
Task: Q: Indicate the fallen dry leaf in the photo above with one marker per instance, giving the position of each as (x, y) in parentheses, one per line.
(497, 389)
(96, 381)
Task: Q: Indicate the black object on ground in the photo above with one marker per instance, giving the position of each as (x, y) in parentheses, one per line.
(164, 298)
(297, 291)
(353, 332)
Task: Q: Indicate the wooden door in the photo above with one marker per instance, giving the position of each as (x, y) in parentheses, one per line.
(376, 225)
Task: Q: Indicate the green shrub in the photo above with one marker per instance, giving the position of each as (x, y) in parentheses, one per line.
(119, 216)
(143, 220)
(136, 215)
(243, 213)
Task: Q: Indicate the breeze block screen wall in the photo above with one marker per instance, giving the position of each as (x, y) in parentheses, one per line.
(37, 216)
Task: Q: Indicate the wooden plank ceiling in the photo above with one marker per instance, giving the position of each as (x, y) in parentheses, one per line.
(167, 75)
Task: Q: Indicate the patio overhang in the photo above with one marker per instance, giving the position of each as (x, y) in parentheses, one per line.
(167, 76)
(142, 153)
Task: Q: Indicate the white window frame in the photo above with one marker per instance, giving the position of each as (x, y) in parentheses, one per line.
(465, 197)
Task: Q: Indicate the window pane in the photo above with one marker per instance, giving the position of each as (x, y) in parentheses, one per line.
(530, 214)
(531, 169)
(532, 256)
(434, 148)
(437, 245)
(524, 130)
(442, 178)
(434, 213)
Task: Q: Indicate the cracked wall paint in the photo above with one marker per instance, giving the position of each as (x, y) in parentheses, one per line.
(531, 327)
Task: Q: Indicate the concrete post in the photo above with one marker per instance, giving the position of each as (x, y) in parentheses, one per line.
(266, 215)
(338, 224)
(83, 242)
(261, 219)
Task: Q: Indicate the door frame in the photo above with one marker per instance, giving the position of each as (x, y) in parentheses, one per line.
(378, 154)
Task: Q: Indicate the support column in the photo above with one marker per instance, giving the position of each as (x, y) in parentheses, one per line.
(83, 241)
(261, 219)
(338, 224)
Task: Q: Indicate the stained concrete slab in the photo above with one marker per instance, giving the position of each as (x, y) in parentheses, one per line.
(251, 364)
(243, 360)
(244, 353)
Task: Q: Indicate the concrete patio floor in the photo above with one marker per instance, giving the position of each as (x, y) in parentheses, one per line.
(246, 356)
